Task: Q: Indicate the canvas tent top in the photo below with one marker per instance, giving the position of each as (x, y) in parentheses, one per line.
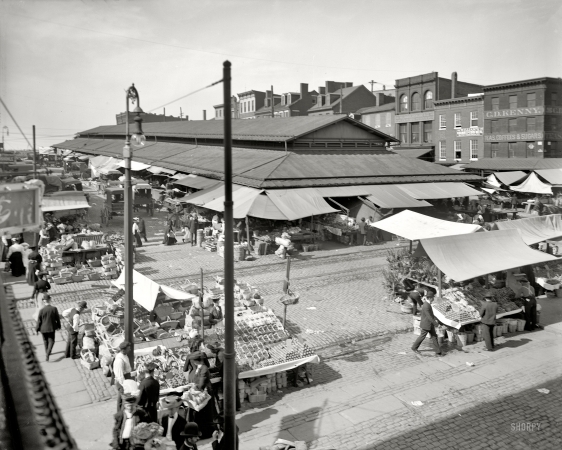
(156, 170)
(553, 176)
(145, 290)
(510, 177)
(467, 256)
(535, 229)
(135, 165)
(393, 196)
(533, 185)
(64, 201)
(414, 226)
(196, 181)
(434, 191)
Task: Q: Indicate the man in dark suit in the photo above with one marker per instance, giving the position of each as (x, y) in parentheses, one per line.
(427, 324)
(142, 229)
(48, 322)
(173, 421)
(193, 226)
(149, 393)
(488, 313)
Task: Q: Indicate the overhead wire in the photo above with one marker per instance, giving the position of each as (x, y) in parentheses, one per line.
(187, 95)
(14, 120)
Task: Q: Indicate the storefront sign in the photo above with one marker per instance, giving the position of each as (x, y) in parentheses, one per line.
(514, 137)
(415, 117)
(554, 110)
(6, 159)
(473, 131)
(515, 112)
(19, 208)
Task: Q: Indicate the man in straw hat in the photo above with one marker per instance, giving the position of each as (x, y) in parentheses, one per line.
(488, 313)
(122, 370)
(427, 324)
(191, 435)
(73, 328)
(173, 420)
(48, 322)
(149, 393)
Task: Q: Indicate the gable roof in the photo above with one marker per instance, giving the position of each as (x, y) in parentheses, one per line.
(375, 109)
(285, 130)
(269, 168)
(344, 93)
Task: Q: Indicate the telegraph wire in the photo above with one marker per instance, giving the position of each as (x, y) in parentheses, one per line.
(14, 120)
(187, 95)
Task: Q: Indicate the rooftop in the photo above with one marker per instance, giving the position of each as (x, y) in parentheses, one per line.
(531, 81)
(515, 164)
(375, 109)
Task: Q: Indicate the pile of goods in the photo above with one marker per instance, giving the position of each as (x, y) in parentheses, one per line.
(117, 243)
(169, 366)
(256, 389)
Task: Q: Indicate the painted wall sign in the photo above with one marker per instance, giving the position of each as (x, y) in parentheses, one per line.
(415, 117)
(552, 135)
(19, 208)
(515, 112)
(473, 131)
(513, 137)
(554, 109)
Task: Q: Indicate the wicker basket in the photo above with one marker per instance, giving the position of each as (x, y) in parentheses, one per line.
(78, 278)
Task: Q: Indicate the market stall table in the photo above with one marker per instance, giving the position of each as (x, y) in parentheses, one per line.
(81, 256)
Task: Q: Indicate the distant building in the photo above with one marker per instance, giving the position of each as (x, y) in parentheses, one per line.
(249, 103)
(459, 129)
(378, 117)
(341, 97)
(146, 118)
(219, 109)
(415, 114)
(523, 119)
(291, 104)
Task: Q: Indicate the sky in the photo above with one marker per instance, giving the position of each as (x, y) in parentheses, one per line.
(65, 65)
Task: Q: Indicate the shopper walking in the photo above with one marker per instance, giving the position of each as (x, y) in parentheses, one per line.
(488, 313)
(362, 232)
(530, 312)
(172, 421)
(136, 232)
(193, 226)
(48, 322)
(122, 371)
(427, 324)
(34, 260)
(149, 393)
(142, 229)
(73, 328)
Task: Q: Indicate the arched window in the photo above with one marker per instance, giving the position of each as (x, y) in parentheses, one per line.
(428, 100)
(404, 103)
(416, 102)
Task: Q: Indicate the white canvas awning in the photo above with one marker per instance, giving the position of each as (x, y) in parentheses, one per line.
(157, 170)
(533, 185)
(414, 226)
(434, 191)
(135, 165)
(64, 201)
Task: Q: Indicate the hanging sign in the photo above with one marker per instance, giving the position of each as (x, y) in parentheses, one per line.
(19, 208)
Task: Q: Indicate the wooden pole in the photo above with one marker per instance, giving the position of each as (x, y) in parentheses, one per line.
(439, 283)
(34, 155)
(410, 247)
(201, 307)
(287, 274)
(248, 234)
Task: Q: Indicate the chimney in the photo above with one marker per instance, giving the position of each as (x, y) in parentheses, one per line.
(304, 90)
(272, 103)
(321, 90)
(204, 114)
(453, 84)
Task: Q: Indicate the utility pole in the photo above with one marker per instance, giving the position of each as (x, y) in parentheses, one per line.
(372, 83)
(272, 104)
(34, 156)
(164, 114)
(341, 100)
(181, 113)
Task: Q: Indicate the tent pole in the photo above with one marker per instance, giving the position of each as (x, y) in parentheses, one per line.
(410, 247)
(248, 234)
(439, 283)
(286, 288)
(201, 307)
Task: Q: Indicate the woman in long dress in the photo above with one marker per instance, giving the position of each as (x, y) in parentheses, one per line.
(15, 257)
(5, 245)
(200, 376)
(33, 266)
(170, 236)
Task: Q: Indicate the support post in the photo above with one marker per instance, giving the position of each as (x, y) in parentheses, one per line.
(248, 234)
(410, 247)
(127, 156)
(201, 307)
(229, 379)
(439, 282)
(34, 155)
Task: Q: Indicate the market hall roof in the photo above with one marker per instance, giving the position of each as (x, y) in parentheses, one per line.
(273, 169)
(278, 130)
(515, 164)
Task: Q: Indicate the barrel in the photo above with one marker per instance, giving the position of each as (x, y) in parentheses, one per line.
(239, 253)
(200, 237)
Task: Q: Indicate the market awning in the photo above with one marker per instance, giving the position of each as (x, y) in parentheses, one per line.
(145, 290)
(533, 185)
(535, 229)
(135, 165)
(493, 181)
(414, 226)
(63, 201)
(196, 182)
(299, 203)
(434, 191)
(392, 196)
(84, 157)
(553, 176)
(467, 256)
(510, 177)
(156, 170)
(343, 191)
(242, 197)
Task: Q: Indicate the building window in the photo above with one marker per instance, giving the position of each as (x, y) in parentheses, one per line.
(428, 100)
(473, 118)
(388, 119)
(377, 120)
(458, 150)
(404, 103)
(416, 102)
(513, 102)
(442, 122)
(415, 133)
(553, 123)
(495, 126)
(473, 149)
(531, 100)
(427, 129)
(495, 103)
(530, 149)
(442, 150)
(402, 130)
(511, 149)
(457, 120)
(512, 125)
(554, 98)
(531, 124)
(495, 149)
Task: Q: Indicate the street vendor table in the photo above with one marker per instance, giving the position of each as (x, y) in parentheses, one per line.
(81, 255)
(303, 237)
(496, 213)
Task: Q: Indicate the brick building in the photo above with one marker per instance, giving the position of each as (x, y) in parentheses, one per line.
(415, 114)
(379, 117)
(249, 103)
(234, 109)
(341, 97)
(459, 129)
(523, 119)
(291, 104)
